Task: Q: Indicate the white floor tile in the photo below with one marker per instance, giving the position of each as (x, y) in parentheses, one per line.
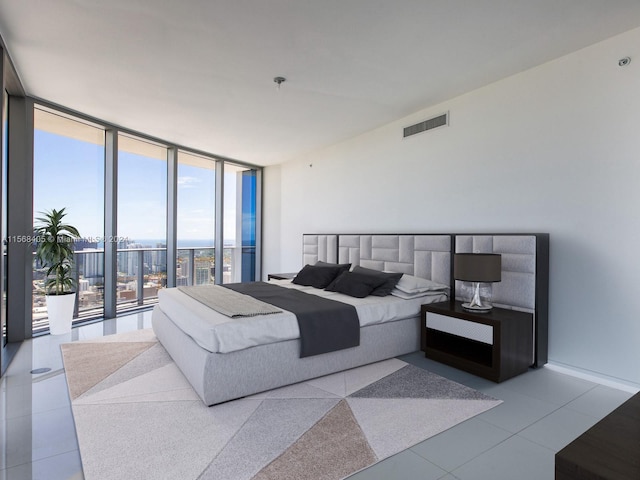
(66, 466)
(517, 411)
(558, 429)
(38, 436)
(42, 395)
(515, 458)
(403, 466)
(471, 438)
(599, 401)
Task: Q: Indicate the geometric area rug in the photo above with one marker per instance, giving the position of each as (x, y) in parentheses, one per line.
(137, 417)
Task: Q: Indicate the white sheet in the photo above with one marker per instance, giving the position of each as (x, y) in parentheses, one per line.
(220, 334)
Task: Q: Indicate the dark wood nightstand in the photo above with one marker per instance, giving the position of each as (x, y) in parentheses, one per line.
(495, 345)
(281, 276)
(608, 451)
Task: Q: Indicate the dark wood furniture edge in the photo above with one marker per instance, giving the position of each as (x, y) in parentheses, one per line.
(541, 345)
(610, 450)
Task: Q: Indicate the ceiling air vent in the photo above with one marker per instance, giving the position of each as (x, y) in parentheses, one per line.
(435, 122)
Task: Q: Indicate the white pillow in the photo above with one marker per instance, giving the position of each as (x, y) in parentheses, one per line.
(411, 284)
(408, 296)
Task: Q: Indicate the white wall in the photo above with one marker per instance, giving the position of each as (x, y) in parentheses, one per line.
(553, 149)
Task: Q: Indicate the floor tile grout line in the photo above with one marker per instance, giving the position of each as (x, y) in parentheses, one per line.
(410, 449)
(48, 457)
(43, 412)
(517, 433)
(511, 434)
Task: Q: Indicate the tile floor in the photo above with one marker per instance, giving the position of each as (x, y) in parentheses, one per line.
(542, 411)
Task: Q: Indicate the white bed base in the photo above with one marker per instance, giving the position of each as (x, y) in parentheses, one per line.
(219, 377)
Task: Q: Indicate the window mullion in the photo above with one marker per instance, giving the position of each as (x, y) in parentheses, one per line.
(219, 225)
(110, 223)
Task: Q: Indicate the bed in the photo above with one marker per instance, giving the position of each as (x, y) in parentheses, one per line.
(255, 360)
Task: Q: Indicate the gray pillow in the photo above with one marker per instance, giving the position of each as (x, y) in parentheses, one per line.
(355, 284)
(389, 280)
(316, 276)
(344, 267)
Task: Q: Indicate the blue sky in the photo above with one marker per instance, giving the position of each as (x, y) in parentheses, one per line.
(70, 173)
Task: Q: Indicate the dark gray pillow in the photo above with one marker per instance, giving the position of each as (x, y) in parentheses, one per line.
(344, 267)
(316, 276)
(355, 284)
(390, 280)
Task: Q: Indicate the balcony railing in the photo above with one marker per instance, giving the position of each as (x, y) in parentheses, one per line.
(141, 274)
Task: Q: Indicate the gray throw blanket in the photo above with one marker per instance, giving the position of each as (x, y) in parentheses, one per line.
(325, 325)
(228, 302)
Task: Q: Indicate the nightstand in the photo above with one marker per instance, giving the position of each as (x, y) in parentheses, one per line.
(281, 276)
(495, 345)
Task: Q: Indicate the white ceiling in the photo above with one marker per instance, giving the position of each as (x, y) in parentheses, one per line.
(200, 73)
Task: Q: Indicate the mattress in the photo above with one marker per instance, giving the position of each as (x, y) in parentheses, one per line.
(218, 333)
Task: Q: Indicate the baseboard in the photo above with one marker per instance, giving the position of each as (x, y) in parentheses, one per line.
(594, 377)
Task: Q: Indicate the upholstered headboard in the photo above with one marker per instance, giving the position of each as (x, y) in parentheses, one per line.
(525, 265)
(424, 255)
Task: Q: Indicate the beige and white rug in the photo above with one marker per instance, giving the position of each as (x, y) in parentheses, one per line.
(137, 417)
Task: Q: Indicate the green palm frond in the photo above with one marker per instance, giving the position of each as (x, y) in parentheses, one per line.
(54, 243)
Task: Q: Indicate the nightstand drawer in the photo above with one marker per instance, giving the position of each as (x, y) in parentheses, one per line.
(462, 328)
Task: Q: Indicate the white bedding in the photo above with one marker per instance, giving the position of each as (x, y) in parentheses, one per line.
(220, 334)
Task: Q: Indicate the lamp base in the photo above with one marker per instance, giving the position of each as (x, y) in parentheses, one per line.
(477, 308)
(476, 305)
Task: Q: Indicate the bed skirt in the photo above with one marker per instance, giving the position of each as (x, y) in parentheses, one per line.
(220, 377)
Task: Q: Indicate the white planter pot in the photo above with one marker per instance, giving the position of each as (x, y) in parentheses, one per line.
(60, 312)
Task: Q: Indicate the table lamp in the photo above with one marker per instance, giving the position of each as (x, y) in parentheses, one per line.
(477, 268)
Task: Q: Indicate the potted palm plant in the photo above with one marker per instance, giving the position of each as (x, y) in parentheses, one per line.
(54, 241)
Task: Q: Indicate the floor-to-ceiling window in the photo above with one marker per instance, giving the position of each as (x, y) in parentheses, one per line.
(240, 203)
(68, 172)
(195, 262)
(142, 221)
(126, 190)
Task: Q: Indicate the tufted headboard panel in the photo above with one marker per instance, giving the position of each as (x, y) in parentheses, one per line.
(517, 290)
(425, 256)
(319, 247)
